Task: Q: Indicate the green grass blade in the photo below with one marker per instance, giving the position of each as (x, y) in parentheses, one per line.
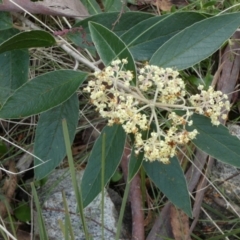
(42, 229)
(77, 190)
(68, 224)
(11, 221)
(102, 180)
(62, 227)
(123, 206)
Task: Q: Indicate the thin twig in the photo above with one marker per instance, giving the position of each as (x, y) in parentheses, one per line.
(120, 14)
(64, 44)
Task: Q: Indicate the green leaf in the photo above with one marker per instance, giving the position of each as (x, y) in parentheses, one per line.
(169, 178)
(216, 140)
(114, 146)
(126, 21)
(49, 143)
(115, 6)
(134, 2)
(196, 42)
(117, 176)
(14, 67)
(147, 36)
(134, 164)
(23, 212)
(109, 46)
(92, 6)
(108, 4)
(13, 72)
(42, 93)
(196, 81)
(8, 33)
(30, 39)
(5, 20)
(3, 148)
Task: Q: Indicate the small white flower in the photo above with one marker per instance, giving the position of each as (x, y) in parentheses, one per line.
(124, 61)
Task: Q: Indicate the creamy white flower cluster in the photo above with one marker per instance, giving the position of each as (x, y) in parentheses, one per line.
(162, 83)
(211, 104)
(163, 146)
(156, 88)
(110, 93)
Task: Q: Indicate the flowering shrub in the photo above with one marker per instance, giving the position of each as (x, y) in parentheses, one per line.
(157, 88)
(150, 101)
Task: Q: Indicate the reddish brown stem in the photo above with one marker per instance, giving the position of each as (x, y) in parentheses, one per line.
(135, 197)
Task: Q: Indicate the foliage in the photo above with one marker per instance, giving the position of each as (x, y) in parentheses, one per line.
(111, 142)
(176, 40)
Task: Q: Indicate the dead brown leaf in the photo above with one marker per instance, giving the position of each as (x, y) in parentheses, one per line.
(22, 235)
(68, 8)
(180, 224)
(8, 189)
(165, 5)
